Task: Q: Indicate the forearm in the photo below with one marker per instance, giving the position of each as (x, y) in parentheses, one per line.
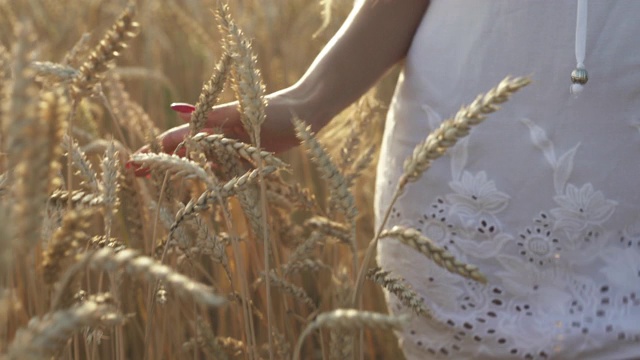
(375, 36)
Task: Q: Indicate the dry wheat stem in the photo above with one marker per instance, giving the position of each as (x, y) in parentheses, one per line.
(350, 319)
(440, 256)
(448, 133)
(135, 264)
(360, 165)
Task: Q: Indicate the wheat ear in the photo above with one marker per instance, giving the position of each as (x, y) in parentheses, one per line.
(207, 198)
(245, 151)
(291, 289)
(453, 129)
(110, 185)
(247, 80)
(102, 57)
(349, 319)
(82, 164)
(65, 241)
(397, 287)
(52, 72)
(438, 255)
(78, 198)
(174, 166)
(211, 91)
(303, 251)
(449, 132)
(144, 266)
(44, 336)
(337, 184)
(331, 228)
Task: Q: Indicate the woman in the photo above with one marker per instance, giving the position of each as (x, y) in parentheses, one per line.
(543, 197)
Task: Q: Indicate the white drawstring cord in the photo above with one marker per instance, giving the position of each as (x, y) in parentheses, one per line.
(579, 76)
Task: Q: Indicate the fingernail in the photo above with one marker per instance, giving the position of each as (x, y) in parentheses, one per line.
(138, 170)
(183, 107)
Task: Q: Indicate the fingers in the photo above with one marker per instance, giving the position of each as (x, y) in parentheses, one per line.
(224, 119)
(184, 110)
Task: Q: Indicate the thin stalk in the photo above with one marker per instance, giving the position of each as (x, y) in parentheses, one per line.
(372, 246)
(265, 241)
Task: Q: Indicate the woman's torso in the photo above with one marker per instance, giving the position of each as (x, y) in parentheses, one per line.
(543, 197)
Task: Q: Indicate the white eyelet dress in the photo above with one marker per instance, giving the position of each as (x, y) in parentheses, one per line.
(543, 197)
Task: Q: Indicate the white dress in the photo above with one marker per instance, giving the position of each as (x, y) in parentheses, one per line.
(544, 196)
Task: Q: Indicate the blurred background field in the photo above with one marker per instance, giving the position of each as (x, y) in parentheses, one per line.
(174, 53)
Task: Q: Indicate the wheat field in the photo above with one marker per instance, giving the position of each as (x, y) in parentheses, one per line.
(259, 256)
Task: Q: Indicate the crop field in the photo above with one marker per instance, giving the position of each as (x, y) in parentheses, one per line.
(230, 252)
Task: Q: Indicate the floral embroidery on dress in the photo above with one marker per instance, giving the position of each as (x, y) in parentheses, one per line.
(533, 280)
(475, 195)
(580, 208)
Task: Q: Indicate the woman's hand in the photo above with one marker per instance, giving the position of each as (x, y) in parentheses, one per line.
(376, 35)
(276, 134)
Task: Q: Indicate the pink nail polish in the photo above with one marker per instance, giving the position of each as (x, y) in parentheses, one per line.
(183, 108)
